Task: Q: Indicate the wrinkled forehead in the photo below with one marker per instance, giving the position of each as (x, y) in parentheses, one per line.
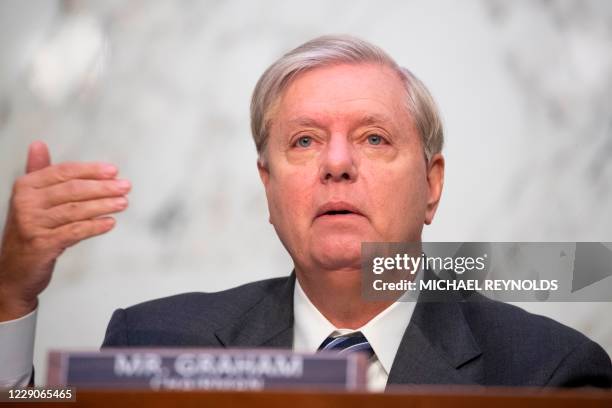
(364, 93)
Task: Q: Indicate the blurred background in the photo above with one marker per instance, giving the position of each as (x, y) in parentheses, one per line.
(162, 89)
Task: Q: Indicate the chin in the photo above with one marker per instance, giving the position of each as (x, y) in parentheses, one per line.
(337, 253)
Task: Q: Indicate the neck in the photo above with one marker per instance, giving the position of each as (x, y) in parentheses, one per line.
(338, 296)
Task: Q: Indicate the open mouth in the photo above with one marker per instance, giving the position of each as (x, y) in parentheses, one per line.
(339, 212)
(337, 209)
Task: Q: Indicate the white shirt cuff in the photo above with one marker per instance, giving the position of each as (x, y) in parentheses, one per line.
(17, 351)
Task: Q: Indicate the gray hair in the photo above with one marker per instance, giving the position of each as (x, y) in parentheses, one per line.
(338, 49)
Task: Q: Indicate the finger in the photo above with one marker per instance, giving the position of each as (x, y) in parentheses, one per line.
(70, 234)
(38, 156)
(83, 190)
(83, 210)
(65, 171)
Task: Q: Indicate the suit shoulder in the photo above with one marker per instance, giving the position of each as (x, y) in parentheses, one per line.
(497, 319)
(239, 297)
(188, 319)
(529, 346)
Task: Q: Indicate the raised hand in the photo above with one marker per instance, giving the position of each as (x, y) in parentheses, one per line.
(52, 207)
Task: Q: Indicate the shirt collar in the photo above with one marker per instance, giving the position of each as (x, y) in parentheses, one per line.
(384, 332)
(310, 326)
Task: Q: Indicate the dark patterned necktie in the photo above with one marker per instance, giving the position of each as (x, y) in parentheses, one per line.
(349, 343)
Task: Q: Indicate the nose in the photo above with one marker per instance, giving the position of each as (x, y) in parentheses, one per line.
(338, 161)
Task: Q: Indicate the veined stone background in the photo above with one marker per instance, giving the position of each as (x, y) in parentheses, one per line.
(162, 88)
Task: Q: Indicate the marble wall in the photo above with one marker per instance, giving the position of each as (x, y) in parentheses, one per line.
(162, 89)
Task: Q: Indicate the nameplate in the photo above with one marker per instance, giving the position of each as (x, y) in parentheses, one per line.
(206, 369)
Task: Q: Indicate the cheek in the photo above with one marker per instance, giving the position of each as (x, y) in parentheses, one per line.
(290, 197)
(398, 200)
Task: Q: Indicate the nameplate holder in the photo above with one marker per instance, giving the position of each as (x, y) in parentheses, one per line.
(206, 369)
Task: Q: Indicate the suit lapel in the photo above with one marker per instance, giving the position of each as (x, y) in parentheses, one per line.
(267, 324)
(437, 348)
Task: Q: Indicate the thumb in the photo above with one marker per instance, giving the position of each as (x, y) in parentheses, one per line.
(38, 156)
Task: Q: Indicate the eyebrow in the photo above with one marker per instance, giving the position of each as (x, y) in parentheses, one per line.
(304, 121)
(374, 119)
(365, 120)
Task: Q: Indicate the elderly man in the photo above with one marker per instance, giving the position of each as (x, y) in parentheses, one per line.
(349, 147)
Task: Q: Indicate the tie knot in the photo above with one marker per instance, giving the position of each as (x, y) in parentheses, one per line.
(349, 343)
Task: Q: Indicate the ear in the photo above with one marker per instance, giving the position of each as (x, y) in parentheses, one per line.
(435, 181)
(264, 173)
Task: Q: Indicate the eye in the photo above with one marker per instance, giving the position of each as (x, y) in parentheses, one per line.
(304, 141)
(375, 139)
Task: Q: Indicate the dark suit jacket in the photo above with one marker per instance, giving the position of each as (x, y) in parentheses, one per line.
(484, 342)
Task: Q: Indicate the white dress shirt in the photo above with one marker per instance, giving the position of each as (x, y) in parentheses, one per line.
(17, 350)
(384, 333)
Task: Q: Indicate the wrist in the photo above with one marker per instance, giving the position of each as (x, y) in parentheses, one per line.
(12, 307)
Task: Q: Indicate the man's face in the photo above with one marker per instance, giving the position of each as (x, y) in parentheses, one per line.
(345, 165)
